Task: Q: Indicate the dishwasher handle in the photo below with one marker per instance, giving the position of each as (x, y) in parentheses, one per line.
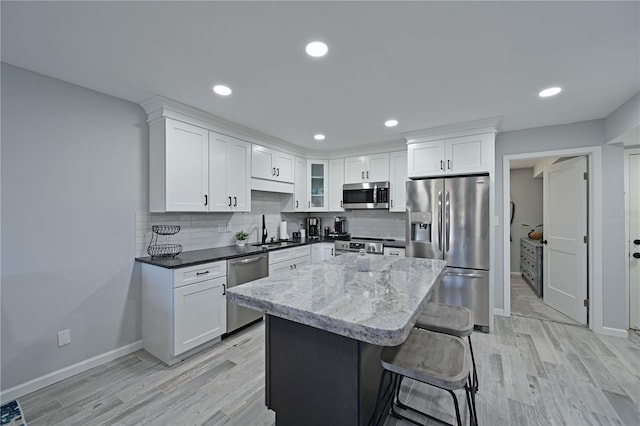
(250, 260)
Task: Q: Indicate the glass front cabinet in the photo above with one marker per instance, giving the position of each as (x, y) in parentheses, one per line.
(317, 185)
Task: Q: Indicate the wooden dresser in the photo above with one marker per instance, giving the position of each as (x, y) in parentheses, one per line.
(531, 263)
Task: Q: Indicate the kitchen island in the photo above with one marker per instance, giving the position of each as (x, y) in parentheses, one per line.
(326, 325)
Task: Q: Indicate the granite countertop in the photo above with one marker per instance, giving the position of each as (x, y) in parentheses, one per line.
(198, 257)
(379, 307)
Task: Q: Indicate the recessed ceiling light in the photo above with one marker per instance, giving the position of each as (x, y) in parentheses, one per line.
(319, 137)
(549, 92)
(391, 123)
(222, 90)
(317, 49)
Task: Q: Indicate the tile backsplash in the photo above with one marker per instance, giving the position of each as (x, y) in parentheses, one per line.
(209, 230)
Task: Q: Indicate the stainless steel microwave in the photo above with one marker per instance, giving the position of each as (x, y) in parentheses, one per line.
(366, 195)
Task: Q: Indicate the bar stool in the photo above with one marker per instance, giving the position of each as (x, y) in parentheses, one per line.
(433, 358)
(452, 320)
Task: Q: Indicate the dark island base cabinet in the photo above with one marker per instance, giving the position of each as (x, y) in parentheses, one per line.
(314, 377)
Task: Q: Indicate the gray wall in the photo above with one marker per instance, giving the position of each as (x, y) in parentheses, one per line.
(526, 193)
(575, 135)
(74, 170)
(623, 119)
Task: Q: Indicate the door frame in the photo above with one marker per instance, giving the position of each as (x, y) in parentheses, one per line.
(627, 219)
(595, 217)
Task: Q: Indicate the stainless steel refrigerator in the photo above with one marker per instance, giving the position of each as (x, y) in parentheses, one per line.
(448, 218)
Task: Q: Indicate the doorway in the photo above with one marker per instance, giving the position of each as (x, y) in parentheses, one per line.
(632, 201)
(594, 228)
(538, 202)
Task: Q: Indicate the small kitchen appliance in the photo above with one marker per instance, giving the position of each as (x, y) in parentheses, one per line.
(314, 228)
(340, 225)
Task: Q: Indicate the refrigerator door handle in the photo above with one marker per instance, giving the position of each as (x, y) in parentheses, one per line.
(440, 221)
(458, 274)
(447, 220)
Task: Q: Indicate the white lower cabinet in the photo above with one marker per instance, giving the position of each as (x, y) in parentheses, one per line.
(289, 259)
(321, 252)
(182, 309)
(394, 251)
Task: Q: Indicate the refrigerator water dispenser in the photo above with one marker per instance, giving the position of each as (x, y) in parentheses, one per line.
(421, 226)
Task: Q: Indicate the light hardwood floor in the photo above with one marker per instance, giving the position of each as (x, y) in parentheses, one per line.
(531, 372)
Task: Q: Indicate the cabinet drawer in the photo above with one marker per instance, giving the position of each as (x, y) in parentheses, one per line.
(198, 273)
(288, 254)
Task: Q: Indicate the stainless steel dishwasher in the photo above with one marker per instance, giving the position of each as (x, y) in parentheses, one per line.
(240, 271)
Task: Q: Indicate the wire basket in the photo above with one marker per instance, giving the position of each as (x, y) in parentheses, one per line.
(165, 229)
(164, 250)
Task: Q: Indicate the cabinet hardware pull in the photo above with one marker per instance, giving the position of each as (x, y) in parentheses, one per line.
(295, 266)
(224, 289)
(309, 204)
(331, 252)
(636, 255)
(544, 242)
(290, 266)
(449, 164)
(278, 171)
(235, 201)
(367, 174)
(296, 204)
(340, 203)
(206, 201)
(202, 273)
(362, 175)
(229, 201)
(391, 203)
(636, 242)
(273, 172)
(441, 165)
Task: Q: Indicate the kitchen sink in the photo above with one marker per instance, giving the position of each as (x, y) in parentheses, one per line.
(274, 245)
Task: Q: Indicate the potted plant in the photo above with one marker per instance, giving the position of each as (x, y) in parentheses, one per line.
(241, 237)
(533, 234)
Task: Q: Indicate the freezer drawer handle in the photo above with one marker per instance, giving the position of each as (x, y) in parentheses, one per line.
(459, 274)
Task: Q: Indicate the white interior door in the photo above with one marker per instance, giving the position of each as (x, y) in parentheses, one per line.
(634, 235)
(565, 226)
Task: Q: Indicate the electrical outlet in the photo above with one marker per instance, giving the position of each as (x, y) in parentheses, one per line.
(64, 337)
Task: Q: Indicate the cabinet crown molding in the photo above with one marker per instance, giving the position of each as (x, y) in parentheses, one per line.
(468, 128)
(159, 107)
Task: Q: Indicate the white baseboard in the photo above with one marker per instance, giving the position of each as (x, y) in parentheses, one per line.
(616, 332)
(66, 372)
(499, 312)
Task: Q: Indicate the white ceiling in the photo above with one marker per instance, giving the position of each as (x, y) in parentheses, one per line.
(424, 63)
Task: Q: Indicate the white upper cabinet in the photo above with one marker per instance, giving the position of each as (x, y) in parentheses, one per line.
(336, 181)
(192, 169)
(267, 163)
(317, 185)
(184, 186)
(229, 183)
(461, 155)
(367, 168)
(398, 181)
(300, 185)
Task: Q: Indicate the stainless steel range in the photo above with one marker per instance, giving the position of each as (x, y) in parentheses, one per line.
(370, 245)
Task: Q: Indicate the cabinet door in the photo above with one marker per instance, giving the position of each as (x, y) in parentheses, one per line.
(300, 262)
(300, 186)
(354, 169)
(398, 181)
(328, 251)
(263, 163)
(377, 169)
(219, 172)
(469, 154)
(281, 266)
(239, 174)
(200, 314)
(187, 167)
(336, 180)
(316, 185)
(426, 159)
(321, 252)
(284, 164)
